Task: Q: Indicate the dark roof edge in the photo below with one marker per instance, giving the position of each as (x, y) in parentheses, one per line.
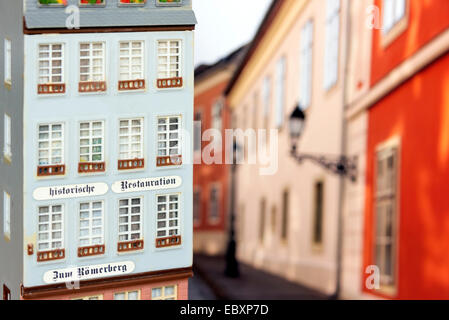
(266, 22)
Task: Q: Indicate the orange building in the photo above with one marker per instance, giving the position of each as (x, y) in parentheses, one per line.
(406, 218)
(211, 181)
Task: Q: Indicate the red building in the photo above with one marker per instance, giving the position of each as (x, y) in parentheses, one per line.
(407, 169)
(211, 180)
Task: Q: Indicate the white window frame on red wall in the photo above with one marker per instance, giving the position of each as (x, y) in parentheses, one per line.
(159, 293)
(393, 12)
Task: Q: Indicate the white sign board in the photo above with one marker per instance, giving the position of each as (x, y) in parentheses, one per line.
(147, 184)
(88, 272)
(70, 191)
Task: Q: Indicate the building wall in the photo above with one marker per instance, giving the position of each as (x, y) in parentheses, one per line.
(111, 106)
(426, 20)
(209, 236)
(11, 174)
(416, 113)
(145, 291)
(295, 258)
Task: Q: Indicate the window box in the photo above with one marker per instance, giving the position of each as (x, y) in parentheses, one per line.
(168, 2)
(92, 2)
(51, 88)
(130, 246)
(92, 86)
(125, 3)
(168, 242)
(169, 161)
(169, 83)
(88, 167)
(57, 254)
(54, 170)
(125, 85)
(131, 164)
(52, 3)
(91, 251)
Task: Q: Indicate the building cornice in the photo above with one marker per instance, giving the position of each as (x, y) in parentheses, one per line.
(38, 292)
(407, 69)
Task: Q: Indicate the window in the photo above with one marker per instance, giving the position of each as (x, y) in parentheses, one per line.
(91, 147)
(6, 293)
(318, 220)
(51, 69)
(127, 295)
(266, 100)
(97, 297)
(50, 240)
(255, 110)
(131, 75)
(305, 82)
(165, 293)
(51, 149)
(131, 144)
(196, 206)
(214, 203)
(263, 209)
(6, 215)
(285, 213)
(169, 141)
(91, 228)
(198, 131)
(169, 64)
(92, 67)
(386, 214)
(92, 2)
(332, 43)
(168, 221)
(130, 224)
(393, 12)
(7, 136)
(217, 110)
(280, 91)
(8, 78)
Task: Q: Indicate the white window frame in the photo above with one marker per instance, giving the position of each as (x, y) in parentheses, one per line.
(90, 224)
(8, 61)
(126, 295)
(393, 12)
(266, 94)
(128, 53)
(167, 71)
(167, 229)
(306, 65)
(281, 70)
(7, 215)
(91, 138)
(129, 232)
(51, 239)
(331, 53)
(167, 149)
(198, 133)
(387, 193)
(50, 140)
(92, 76)
(214, 218)
(129, 137)
(163, 295)
(7, 145)
(50, 59)
(217, 114)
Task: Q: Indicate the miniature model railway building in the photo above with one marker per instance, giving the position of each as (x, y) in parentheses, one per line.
(96, 175)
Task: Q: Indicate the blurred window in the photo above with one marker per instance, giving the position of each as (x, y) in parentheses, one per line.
(393, 12)
(6, 215)
(127, 295)
(280, 91)
(165, 293)
(97, 297)
(8, 78)
(305, 72)
(318, 220)
(217, 110)
(386, 214)
(263, 209)
(332, 43)
(285, 214)
(197, 133)
(7, 150)
(266, 100)
(214, 204)
(197, 205)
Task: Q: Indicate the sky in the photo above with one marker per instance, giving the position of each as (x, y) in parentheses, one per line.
(225, 25)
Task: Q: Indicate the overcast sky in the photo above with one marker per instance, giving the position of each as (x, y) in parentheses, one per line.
(224, 25)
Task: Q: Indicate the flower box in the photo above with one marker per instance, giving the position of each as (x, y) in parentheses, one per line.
(168, 2)
(132, 2)
(52, 3)
(92, 3)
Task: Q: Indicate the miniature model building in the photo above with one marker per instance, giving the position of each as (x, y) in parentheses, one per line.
(95, 173)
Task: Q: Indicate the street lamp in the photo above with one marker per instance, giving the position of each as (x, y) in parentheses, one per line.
(341, 165)
(232, 266)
